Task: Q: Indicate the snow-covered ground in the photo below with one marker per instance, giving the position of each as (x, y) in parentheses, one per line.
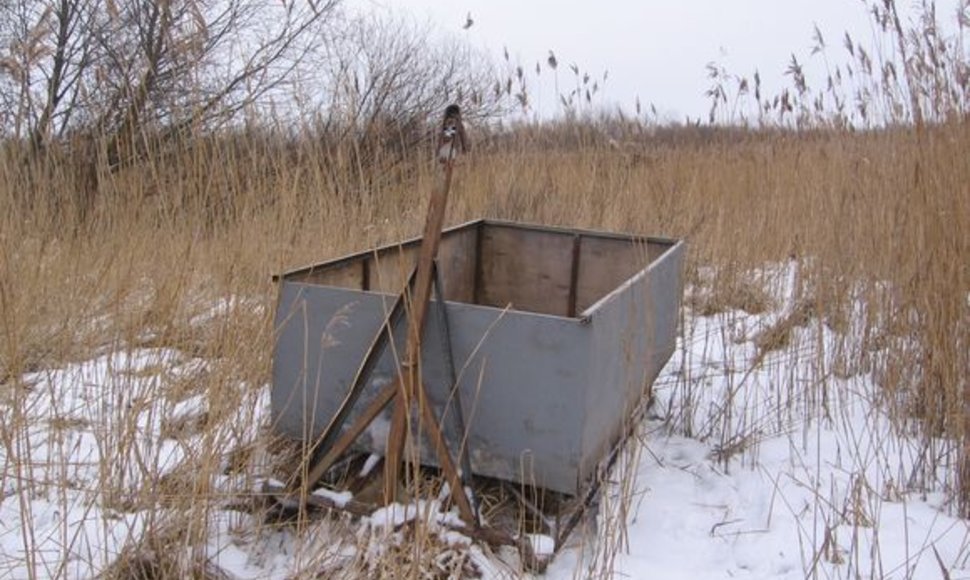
(85, 452)
(794, 471)
(760, 459)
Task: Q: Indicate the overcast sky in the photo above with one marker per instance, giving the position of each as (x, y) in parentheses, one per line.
(654, 49)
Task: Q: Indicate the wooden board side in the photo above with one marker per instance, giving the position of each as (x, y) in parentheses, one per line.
(529, 269)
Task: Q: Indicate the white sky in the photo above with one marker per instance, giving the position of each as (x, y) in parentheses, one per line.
(654, 49)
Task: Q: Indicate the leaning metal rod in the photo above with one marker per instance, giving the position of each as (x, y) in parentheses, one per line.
(419, 305)
(444, 333)
(433, 429)
(413, 387)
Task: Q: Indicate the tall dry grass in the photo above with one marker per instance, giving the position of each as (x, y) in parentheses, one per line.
(169, 260)
(877, 220)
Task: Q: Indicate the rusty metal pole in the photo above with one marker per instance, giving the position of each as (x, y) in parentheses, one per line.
(418, 309)
(451, 142)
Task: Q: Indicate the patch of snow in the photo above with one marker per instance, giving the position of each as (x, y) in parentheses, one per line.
(542, 545)
(393, 515)
(339, 498)
(790, 470)
(369, 464)
(224, 307)
(755, 464)
(191, 407)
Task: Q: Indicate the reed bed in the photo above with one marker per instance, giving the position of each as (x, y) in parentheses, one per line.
(177, 251)
(151, 280)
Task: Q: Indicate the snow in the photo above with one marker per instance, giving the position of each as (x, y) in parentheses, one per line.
(791, 472)
(339, 498)
(542, 544)
(753, 463)
(86, 441)
(369, 464)
(393, 515)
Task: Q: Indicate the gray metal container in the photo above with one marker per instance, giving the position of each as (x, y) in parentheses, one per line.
(556, 333)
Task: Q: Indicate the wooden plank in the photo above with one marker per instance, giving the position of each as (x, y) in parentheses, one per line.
(385, 270)
(539, 228)
(656, 243)
(606, 263)
(390, 268)
(529, 269)
(296, 274)
(346, 275)
(456, 263)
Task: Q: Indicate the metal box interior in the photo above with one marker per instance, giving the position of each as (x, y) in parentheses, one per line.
(555, 334)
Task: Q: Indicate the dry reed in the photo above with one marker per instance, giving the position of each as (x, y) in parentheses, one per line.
(174, 253)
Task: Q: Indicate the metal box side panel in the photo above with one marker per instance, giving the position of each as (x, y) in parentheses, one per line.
(523, 383)
(321, 335)
(522, 378)
(634, 333)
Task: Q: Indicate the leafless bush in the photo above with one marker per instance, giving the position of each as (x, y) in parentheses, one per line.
(390, 80)
(124, 67)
